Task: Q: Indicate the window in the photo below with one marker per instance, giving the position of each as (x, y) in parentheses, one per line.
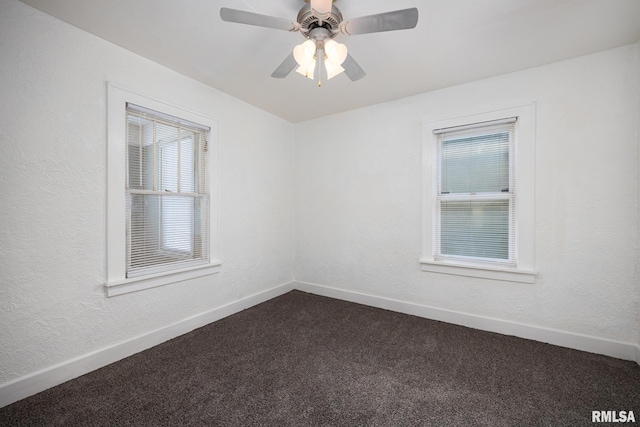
(167, 196)
(161, 219)
(476, 200)
(478, 220)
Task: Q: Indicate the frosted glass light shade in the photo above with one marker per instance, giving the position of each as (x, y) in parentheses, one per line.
(336, 52)
(307, 69)
(304, 53)
(332, 70)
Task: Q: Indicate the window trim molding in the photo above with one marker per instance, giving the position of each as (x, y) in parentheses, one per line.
(116, 282)
(159, 279)
(524, 271)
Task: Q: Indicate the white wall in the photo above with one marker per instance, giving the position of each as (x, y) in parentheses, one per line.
(52, 204)
(358, 199)
(638, 215)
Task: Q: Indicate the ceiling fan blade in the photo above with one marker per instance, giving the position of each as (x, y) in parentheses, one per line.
(250, 18)
(321, 8)
(287, 66)
(389, 21)
(352, 69)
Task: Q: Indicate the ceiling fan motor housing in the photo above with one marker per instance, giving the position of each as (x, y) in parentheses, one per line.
(309, 21)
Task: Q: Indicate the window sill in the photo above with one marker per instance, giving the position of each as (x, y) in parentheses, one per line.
(153, 280)
(484, 272)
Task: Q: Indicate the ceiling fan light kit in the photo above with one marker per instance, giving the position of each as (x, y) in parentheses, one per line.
(319, 21)
(320, 50)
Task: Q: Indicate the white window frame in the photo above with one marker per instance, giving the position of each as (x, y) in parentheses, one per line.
(524, 269)
(116, 281)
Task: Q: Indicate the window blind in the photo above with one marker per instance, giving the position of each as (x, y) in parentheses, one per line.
(167, 198)
(476, 197)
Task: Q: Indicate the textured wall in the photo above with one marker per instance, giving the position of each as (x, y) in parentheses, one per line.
(52, 204)
(358, 198)
(638, 215)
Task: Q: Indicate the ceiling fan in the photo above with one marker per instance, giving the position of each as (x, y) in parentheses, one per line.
(319, 21)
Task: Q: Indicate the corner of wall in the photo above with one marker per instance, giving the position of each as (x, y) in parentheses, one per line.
(44, 379)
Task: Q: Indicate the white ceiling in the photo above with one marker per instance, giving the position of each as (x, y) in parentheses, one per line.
(455, 41)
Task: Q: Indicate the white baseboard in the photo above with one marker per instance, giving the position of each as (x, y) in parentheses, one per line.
(49, 377)
(617, 349)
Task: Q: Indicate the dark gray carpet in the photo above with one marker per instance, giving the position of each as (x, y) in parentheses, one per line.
(302, 359)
